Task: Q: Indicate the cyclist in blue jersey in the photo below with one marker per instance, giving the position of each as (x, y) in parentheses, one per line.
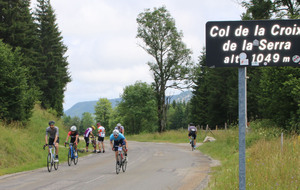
(119, 140)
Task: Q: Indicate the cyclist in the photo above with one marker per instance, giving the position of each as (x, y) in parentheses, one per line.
(192, 132)
(120, 128)
(74, 137)
(52, 130)
(119, 140)
(87, 134)
(101, 135)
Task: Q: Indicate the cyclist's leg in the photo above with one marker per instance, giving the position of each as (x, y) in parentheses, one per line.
(50, 142)
(195, 139)
(56, 147)
(99, 144)
(87, 142)
(124, 147)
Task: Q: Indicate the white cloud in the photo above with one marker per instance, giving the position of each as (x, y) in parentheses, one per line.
(103, 54)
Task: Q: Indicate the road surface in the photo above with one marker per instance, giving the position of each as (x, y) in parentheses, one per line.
(150, 166)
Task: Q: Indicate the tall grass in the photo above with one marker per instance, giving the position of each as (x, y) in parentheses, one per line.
(267, 165)
(21, 146)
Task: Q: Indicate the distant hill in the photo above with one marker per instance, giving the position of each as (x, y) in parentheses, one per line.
(79, 108)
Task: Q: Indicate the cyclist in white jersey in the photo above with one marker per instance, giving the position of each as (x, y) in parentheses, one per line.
(101, 135)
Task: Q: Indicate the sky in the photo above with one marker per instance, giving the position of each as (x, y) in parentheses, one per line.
(104, 55)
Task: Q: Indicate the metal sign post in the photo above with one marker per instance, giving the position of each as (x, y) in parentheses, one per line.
(242, 127)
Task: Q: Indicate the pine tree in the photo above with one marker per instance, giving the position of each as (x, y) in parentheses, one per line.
(54, 61)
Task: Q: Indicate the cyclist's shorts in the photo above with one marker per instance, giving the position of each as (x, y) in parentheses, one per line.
(101, 139)
(51, 140)
(192, 133)
(116, 144)
(87, 140)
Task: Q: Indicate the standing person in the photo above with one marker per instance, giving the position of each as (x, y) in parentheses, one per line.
(89, 132)
(74, 137)
(53, 137)
(119, 140)
(101, 135)
(192, 132)
(120, 128)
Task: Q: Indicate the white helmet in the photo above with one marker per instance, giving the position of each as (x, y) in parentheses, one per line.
(116, 132)
(73, 128)
(119, 124)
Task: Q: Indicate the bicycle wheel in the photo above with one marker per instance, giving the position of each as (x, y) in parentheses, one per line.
(56, 165)
(49, 163)
(118, 164)
(75, 157)
(69, 157)
(192, 144)
(124, 165)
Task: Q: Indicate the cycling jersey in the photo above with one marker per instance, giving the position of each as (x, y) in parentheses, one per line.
(87, 132)
(52, 132)
(192, 128)
(73, 136)
(101, 131)
(120, 129)
(120, 138)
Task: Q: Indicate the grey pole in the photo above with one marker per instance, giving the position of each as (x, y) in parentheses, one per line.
(242, 128)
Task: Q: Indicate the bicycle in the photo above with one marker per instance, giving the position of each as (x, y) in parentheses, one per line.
(50, 158)
(71, 154)
(121, 161)
(192, 143)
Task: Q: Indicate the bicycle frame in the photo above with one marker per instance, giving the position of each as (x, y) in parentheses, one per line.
(50, 158)
(71, 155)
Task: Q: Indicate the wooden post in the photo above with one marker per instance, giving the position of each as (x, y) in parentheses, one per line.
(225, 126)
(216, 127)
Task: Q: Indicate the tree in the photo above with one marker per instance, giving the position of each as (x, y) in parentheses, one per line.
(86, 121)
(273, 92)
(54, 63)
(137, 108)
(103, 110)
(164, 43)
(16, 97)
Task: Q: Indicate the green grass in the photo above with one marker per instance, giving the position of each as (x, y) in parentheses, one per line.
(178, 136)
(22, 146)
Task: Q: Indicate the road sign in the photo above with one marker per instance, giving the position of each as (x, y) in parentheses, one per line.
(253, 43)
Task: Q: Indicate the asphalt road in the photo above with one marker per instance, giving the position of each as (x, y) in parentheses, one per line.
(150, 166)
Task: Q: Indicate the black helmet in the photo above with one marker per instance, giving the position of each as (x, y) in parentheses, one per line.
(191, 124)
(51, 122)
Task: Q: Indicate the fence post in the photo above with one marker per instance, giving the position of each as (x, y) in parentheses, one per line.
(281, 142)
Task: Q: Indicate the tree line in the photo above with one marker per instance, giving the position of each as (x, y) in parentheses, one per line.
(34, 67)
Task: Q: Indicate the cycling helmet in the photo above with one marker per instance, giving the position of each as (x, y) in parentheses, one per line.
(93, 127)
(116, 132)
(51, 122)
(119, 124)
(73, 128)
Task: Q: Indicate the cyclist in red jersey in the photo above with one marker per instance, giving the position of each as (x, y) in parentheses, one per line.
(74, 137)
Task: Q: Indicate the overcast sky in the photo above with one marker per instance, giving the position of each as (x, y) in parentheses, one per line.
(103, 52)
